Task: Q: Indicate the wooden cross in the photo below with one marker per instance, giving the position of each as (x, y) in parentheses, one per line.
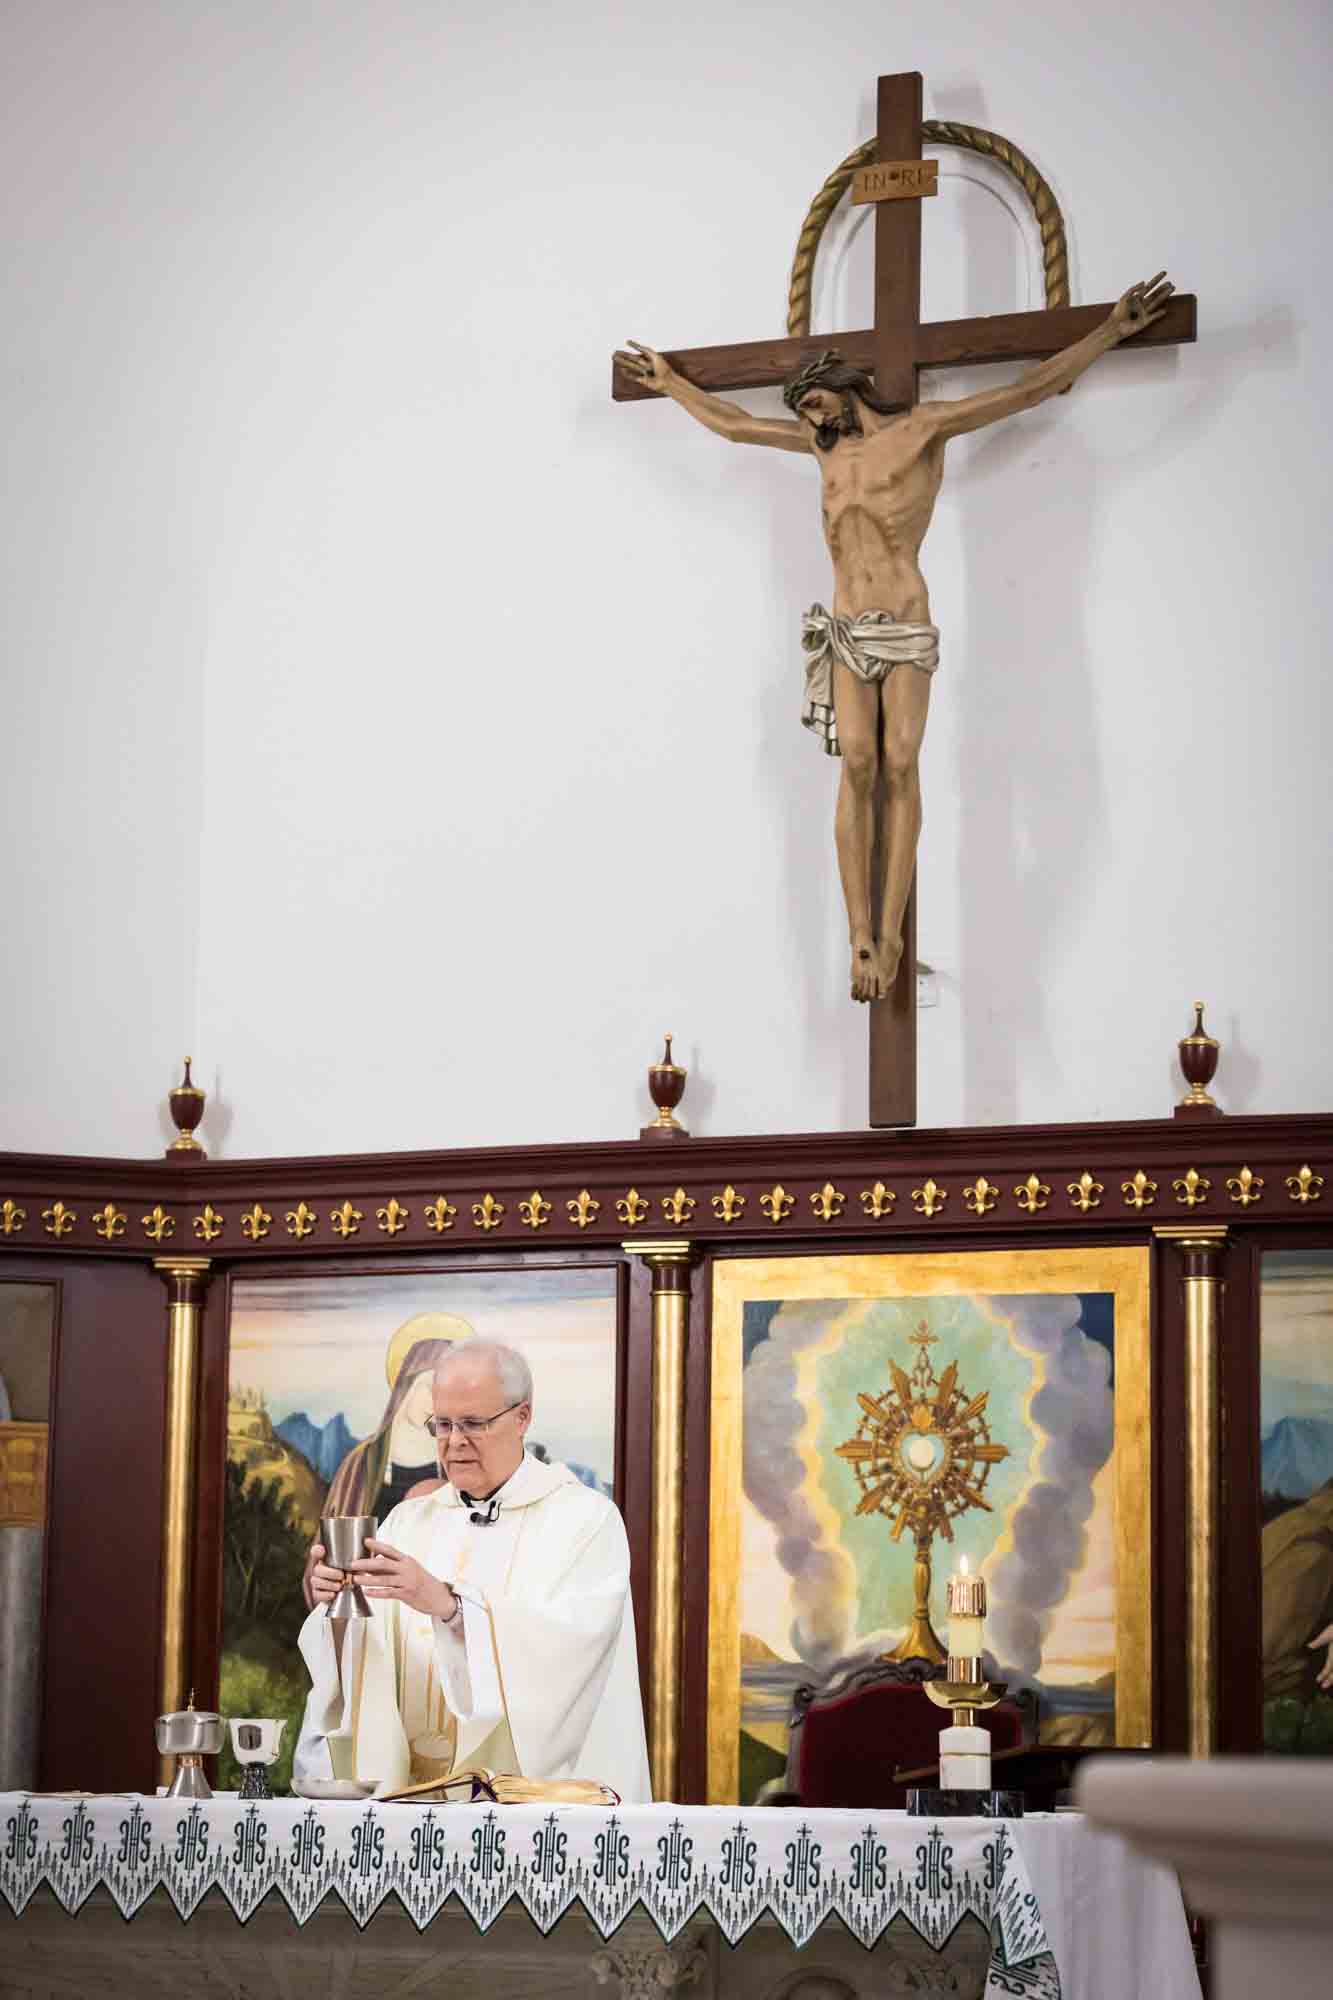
(896, 348)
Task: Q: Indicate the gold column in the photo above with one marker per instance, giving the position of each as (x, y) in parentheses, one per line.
(1201, 1250)
(186, 1279)
(669, 1262)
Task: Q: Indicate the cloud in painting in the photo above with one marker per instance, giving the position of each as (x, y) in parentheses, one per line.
(775, 1473)
(1073, 1414)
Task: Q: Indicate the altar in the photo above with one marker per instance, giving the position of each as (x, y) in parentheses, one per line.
(119, 1894)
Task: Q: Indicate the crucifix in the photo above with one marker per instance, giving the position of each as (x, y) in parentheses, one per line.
(881, 453)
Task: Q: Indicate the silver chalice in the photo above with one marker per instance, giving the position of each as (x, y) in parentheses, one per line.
(344, 1537)
(256, 1741)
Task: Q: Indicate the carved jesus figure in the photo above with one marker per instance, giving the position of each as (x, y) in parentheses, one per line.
(869, 662)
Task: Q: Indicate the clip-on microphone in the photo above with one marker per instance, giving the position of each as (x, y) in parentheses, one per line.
(483, 1513)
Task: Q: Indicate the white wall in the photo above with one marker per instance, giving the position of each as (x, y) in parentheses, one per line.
(389, 719)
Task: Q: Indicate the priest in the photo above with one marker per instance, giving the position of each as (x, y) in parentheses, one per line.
(502, 1632)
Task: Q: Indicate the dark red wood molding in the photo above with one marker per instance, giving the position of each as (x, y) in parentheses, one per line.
(1274, 1148)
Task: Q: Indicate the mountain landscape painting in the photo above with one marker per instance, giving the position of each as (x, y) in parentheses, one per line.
(329, 1382)
(1296, 1473)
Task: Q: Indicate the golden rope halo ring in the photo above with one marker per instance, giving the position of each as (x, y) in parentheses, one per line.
(935, 132)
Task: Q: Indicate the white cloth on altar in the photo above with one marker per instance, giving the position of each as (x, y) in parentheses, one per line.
(1114, 1917)
(537, 1675)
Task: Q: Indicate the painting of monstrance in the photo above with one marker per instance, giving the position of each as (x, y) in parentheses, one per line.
(879, 1421)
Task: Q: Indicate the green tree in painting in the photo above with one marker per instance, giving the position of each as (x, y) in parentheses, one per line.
(264, 1551)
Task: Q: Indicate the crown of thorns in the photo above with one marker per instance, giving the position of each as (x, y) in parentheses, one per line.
(808, 378)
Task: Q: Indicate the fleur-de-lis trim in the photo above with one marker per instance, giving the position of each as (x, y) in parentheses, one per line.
(1032, 1194)
(583, 1208)
(207, 1225)
(12, 1217)
(1245, 1187)
(488, 1212)
(981, 1196)
(58, 1219)
(728, 1205)
(828, 1203)
(1140, 1192)
(632, 1209)
(777, 1204)
(109, 1222)
(678, 1206)
(1192, 1189)
(392, 1218)
(929, 1199)
(159, 1225)
(1085, 1192)
(255, 1222)
(440, 1214)
(346, 1220)
(878, 1200)
(534, 1211)
(302, 1221)
(1307, 1185)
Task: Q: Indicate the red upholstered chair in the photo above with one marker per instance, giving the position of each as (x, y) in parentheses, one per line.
(850, 1736)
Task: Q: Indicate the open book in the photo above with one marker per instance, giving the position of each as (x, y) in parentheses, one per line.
(506, 1788)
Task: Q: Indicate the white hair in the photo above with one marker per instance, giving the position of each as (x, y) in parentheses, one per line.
(514, 1374)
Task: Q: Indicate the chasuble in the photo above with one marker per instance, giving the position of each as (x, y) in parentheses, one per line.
(537, 1674)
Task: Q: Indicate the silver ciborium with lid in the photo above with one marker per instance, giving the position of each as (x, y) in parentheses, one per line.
(189, 1734)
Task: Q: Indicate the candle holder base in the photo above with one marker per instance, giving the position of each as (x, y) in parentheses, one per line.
(929, 1802)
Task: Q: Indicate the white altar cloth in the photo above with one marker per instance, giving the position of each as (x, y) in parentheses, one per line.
(1071, 1914)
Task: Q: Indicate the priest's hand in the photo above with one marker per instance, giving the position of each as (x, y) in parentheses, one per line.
(322, 1583)
(1324, 1677)
(389, 1573)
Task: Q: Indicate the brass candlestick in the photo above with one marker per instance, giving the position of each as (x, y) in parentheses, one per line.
(666, 1087)
(965, 1690)
(965, 1789)
(187, 1108)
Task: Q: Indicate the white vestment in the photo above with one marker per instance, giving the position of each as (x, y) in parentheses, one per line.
(537, 1675)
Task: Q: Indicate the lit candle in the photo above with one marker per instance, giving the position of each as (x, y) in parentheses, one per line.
(965, 1748)
(965, 1596)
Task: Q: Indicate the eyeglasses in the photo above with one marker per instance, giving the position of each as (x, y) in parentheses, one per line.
(471, 1427)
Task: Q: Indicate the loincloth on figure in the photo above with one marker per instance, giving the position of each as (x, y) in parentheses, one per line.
(870, 645)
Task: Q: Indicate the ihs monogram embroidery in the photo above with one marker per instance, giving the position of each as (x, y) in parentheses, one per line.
(678, 1862)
